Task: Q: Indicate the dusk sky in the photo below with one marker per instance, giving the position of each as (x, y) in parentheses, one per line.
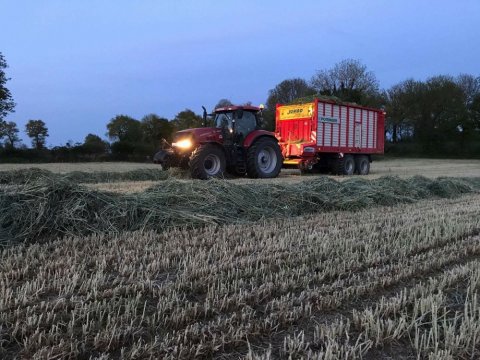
(76, 64)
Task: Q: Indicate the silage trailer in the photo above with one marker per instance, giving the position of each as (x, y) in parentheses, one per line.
(327, 135)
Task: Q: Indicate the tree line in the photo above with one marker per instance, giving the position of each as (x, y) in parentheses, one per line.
(439, 116)
(130, 139)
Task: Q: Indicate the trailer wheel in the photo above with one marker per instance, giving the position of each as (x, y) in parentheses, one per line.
(345, 165)
(207, 161)
(362, 165)
(264, 159)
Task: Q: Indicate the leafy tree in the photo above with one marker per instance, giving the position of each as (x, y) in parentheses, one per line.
(439, 114)
(475, 113)
(348, 80)
(7, 104)
(285, 92)
(127, 135)
(402, 108)
(156, 128)
(38, 132)
(187, 119)
(124, 128)
(442, 111)
(223, 103)
(9, 131)
(94, 145)
(470, 86)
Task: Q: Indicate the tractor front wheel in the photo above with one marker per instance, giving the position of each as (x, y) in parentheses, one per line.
(207, 161)
(264, 159)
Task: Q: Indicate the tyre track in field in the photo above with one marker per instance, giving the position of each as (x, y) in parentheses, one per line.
(384, 285)
(345, 308)
(332, 284)
(330, 278)
(364, 273)
(462, 249)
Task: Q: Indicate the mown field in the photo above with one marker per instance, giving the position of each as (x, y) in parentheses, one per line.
(311, 268)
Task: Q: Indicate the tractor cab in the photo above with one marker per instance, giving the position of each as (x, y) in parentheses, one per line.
(237, 122)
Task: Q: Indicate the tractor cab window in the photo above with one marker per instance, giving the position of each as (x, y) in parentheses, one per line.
(224, 120)
(246, 124)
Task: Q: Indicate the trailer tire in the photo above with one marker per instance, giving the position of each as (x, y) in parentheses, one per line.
(264, 159)
(362, 165)
(345, 165)
(207, 161)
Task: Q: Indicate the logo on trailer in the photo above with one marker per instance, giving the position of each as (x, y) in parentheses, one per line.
(300, 111)
(328, 119)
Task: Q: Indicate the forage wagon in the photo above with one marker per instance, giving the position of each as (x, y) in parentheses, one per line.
(327, 135)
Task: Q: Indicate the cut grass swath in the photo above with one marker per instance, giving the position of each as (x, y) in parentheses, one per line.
(53, 206)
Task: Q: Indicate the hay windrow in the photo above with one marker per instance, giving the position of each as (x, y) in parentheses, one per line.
(23, 176)
(54, 206)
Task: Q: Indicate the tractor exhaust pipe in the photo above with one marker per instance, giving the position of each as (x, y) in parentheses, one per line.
(204, 116)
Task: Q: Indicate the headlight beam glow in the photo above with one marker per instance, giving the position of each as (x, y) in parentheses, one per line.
(183, 144)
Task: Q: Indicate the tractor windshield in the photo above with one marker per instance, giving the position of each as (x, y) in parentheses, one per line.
(224, 120)
(245, 122)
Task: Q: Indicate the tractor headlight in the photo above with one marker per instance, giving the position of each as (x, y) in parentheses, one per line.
(308, 149)
(183, 144)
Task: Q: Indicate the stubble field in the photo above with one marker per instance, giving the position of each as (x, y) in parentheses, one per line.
(297, 267)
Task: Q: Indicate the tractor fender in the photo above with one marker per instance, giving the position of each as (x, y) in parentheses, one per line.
(254, 135)
(214, 143)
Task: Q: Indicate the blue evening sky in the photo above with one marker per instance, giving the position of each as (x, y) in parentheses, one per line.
(76, 64)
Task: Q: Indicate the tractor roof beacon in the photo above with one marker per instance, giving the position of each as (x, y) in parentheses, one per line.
(232, 142)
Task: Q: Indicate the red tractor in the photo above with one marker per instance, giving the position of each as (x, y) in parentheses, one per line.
(234, 144)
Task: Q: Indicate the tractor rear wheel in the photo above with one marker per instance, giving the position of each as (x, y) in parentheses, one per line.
(264, 159)
(207, 161)
(362, 165)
